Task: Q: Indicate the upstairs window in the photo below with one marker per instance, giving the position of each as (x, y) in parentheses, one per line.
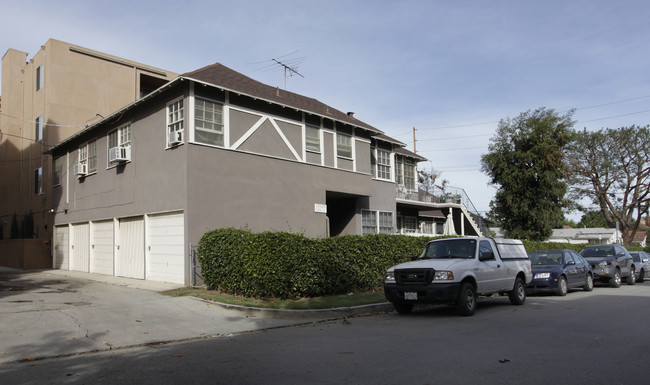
(88, 156)
(58, 170)
(399, 171)
(312, 138)
(39, 77)
(383, 164)
(410, 174)
(208, 122)
(119, 138)
(38, 128)
(344, 145)
(175, 122)
(38, 181)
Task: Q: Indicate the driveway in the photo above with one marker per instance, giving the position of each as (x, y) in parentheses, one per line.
(54, 313)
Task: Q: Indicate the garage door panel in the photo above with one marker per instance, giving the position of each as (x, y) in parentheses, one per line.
(102, 248)
(166, 248)
(61, 247)
(130, 254)
(80, 246)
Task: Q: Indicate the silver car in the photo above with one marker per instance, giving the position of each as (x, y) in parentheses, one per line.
(642, 263)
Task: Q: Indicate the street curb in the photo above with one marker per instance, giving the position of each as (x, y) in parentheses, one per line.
(338, 312)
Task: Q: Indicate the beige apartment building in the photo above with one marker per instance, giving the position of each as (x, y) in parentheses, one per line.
(59, 91)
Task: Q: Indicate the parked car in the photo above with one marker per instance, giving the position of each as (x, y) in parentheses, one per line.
(642, 263)
(610, 264)
(559, 270)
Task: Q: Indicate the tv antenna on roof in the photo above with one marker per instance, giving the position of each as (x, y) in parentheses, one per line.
(289, 65)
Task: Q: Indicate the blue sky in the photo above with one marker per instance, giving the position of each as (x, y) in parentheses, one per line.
(451, 69)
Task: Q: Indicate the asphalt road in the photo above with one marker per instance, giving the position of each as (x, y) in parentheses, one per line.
(600, 337)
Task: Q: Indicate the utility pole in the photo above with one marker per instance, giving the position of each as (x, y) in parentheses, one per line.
(414, 141)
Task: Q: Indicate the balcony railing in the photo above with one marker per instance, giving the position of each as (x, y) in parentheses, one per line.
(449, 195)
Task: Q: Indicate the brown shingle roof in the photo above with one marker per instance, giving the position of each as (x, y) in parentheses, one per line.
(221, 76)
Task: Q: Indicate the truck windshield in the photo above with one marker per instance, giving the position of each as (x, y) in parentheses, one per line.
(452, 248)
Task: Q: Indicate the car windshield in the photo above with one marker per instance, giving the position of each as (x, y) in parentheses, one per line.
(601, 251)
(546, 258)
(453, 248)
(635, 256)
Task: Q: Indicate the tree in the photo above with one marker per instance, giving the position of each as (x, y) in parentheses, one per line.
(592, 219)
(611, 167)
(525, 162)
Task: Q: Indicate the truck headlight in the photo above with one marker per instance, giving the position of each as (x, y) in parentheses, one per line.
(442, 275)
(390, 277)
(542, 275)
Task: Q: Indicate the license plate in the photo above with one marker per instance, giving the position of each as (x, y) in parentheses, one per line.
(410, 295)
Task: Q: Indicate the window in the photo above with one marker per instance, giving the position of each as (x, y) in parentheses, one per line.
(426, 227)
(312, 138)
(344, 146)
(58, 169)
(38, 181)
(368, 222)
(175, 118)
(119, 138)
(88, 156)
(385, 222)
(38, 128)
(410, 225)
(208, 122)
(399, 170)
(383, 164)
(409, 174)
(373, 222)
(39, 77)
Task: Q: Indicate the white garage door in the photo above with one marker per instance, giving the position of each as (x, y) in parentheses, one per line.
(166, 248)
(61, 247)
(101, 248)
(80, 246)
(129, 261)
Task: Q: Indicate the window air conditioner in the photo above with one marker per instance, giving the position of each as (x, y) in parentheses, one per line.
(175, 138)
(119, 154)
(80, 169)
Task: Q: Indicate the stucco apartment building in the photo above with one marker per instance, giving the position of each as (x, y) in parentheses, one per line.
(214, 148)
(59, 91)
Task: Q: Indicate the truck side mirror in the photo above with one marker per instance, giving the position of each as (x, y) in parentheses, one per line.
(486, 255)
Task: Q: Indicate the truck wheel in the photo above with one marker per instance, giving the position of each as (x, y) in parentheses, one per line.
(403, 308)
(589, 284)
(466, 303)
(562, 288)
(518, 294)
(615, 281)
(631, 279)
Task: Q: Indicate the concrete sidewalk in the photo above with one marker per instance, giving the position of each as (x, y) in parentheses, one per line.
(54, 313)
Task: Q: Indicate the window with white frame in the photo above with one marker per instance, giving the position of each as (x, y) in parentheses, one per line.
(175, 122)
(410, 225)
(399, 170)
(312, 138)
(368, 222)
(39, 77)
(383, 164)
(386, 222)
(344, 145)
(88, 156)
(119, 138)
(426, 226)
(208, 122)
(38, 128)
(410, 168)
(373, 222)
(38, 181)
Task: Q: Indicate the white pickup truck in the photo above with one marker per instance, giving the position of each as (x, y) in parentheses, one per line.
(457, 270)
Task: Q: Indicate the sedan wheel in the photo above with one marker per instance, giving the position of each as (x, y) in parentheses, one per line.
(631, 279)
(562, 288)
(641, 275)
(589, 284)
(615, 281)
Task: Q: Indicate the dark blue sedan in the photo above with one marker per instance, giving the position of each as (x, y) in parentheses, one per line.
(559, 270)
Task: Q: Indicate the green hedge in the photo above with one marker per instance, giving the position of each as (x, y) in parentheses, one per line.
(288, 265)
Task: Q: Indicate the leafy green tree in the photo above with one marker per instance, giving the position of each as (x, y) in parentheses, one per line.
(611, 167)
(525, 162)
(592, 219)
